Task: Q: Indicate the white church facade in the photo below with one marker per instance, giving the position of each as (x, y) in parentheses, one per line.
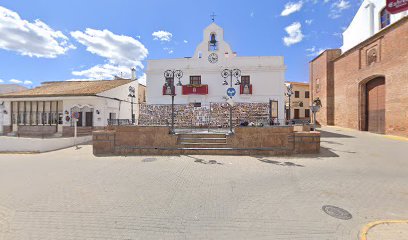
(371, 18)
(260, 78)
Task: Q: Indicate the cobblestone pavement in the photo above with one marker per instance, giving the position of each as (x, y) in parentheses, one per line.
(70, 194)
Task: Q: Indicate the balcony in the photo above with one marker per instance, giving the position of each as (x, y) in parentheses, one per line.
(169, 91)
(195, 89)
(245, 89)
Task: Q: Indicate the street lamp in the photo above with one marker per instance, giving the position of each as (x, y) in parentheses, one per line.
(289, 93)
(132, 96)
(169, 84)
(317, 104)
(236, 73)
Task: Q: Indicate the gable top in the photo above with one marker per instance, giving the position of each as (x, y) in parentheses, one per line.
(222, 48)
(69, 88)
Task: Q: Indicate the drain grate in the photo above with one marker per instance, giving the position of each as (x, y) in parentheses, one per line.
(149, 159)
(337, 212)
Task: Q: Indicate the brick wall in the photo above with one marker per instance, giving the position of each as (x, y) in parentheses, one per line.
(321, 73)
(352, 72)
(353, 69)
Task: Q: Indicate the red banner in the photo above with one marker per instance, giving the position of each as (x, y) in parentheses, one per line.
(195, 90)
(397, 6)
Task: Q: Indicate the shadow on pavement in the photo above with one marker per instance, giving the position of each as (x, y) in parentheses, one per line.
(284, 164)
(325, 134)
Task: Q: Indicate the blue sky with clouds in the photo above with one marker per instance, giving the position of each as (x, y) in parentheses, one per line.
(47, 40)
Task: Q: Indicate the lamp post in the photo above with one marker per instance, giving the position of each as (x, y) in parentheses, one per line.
(169, 84)
(236, 73)
(317, 104)
(289, 93)
(132, 96)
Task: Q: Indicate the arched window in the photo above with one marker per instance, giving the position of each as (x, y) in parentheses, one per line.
(213, 44)
(384, 18)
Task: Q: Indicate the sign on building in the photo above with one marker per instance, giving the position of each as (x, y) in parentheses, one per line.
(397, 6)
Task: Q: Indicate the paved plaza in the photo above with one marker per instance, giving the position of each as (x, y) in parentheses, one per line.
(71, 194)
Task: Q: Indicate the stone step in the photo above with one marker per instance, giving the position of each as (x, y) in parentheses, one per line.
(201, 135)
(202, 140)
(202, 145)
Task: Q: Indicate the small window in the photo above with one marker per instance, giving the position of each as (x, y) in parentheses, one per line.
(197, 104)
(297, 94)
(307, 94)
(385, 18)
(195, 80)
(307, 113)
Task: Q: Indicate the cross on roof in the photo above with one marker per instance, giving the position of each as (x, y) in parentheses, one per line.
(213, 16)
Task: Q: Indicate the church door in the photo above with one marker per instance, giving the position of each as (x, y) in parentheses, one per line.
(89, 119)
(375, 105)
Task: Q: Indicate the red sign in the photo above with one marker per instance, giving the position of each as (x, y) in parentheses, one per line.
(397, 6)
(193, 89)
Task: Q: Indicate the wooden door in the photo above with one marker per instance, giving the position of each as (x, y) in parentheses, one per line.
(375, 110)
(297, 114)
(89, 119)
(79, 123)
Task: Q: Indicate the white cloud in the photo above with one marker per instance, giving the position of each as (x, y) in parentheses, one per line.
(34, 39)
(309, 21)
(338, 7)
(118, 49)
(313, 51)
(185, 41)
(163, 36)
(122, 53)
(295, 34)
(168, 50)
(1, 81)
(15, 81)
(142, 79)
(291, 7)
(27, 82)
(105, 71)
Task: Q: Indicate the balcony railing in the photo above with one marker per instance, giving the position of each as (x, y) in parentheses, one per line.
(245, 89)
(195, 89)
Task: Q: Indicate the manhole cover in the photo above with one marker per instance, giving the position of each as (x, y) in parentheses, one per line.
(149, 159)
(337, 212)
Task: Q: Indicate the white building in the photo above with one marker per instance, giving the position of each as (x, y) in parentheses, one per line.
(371, 18)
(262, 77)
(47, 109)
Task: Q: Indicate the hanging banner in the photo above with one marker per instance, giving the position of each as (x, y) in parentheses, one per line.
(397, 6)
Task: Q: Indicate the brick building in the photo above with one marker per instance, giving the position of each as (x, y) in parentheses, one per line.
(365, 87)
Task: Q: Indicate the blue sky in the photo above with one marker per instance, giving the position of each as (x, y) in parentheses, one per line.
(47, 40)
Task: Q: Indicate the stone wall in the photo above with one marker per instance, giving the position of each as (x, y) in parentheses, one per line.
(37, 130)
(153, 140)
(213, 115)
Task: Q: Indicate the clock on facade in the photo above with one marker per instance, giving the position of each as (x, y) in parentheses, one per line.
(213, 58)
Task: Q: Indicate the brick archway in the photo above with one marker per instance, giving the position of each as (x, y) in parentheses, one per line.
(372, 104)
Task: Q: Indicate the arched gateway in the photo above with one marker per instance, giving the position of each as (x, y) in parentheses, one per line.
(373, 111)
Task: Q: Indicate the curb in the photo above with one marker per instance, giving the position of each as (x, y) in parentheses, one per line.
(364, 231)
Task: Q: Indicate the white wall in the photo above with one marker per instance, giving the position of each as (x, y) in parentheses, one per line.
(366, 23)
(267, 75)
(18, 144)
(123, 108)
